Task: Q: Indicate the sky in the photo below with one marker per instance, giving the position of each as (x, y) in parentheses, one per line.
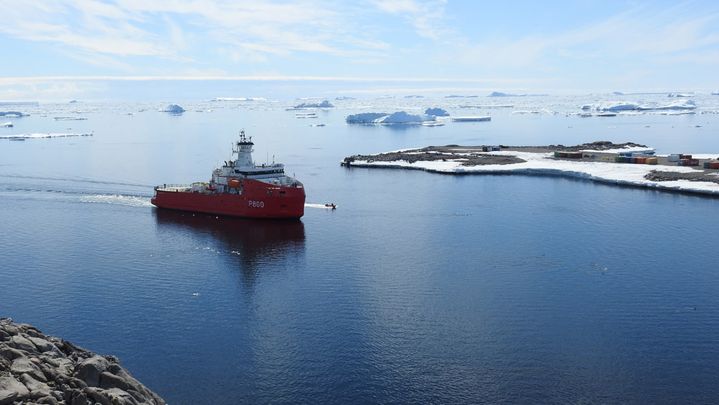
(140, 49)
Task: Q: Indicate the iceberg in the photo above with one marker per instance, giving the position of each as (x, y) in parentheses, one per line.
(676, 105)
(340, 98)
(365, 118)
(413, 96)
(396, 118)
(324, 104)
(173, 109)
(621, 106)
(615, 106)
(402, 117)
(715, 93)
(680, 95)
(437, 112)
(6, 125)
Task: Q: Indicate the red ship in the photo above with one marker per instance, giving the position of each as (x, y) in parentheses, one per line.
(239, 188)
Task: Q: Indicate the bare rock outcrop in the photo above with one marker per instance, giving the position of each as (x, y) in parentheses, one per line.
(40, 369)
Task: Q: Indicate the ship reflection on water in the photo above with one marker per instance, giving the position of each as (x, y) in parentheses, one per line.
(250, 244)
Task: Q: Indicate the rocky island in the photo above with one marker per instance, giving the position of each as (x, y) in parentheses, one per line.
(628, 164)
(40, 369)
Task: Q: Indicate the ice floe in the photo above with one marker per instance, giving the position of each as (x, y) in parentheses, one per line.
(44, 135)
(472, 118)
(70, 118)
(12, 114)
(220, 99)
(487, 106)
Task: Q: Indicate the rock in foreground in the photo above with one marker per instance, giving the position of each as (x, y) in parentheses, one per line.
(40, 369)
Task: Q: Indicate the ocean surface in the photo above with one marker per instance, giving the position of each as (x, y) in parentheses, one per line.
(419, 288)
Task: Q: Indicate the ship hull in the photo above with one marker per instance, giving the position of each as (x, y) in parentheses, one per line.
(257, 200)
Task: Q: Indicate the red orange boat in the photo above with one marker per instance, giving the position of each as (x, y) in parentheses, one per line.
(239, 188)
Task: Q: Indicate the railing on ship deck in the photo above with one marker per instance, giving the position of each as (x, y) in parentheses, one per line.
(173, 187)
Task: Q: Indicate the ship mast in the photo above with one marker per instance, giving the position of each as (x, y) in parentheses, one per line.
(243, 149)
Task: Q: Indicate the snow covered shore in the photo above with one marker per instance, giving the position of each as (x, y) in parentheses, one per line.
(545, 164)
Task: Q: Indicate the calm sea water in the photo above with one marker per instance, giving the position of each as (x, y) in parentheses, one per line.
(419, 287)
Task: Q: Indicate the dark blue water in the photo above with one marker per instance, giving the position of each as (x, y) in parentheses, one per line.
(419, 288)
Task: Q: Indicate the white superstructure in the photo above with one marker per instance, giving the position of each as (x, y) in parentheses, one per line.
(242, 167)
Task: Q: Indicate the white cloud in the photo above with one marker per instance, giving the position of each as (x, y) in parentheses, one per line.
(141, 28)
(634, 36)
(425, 16)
